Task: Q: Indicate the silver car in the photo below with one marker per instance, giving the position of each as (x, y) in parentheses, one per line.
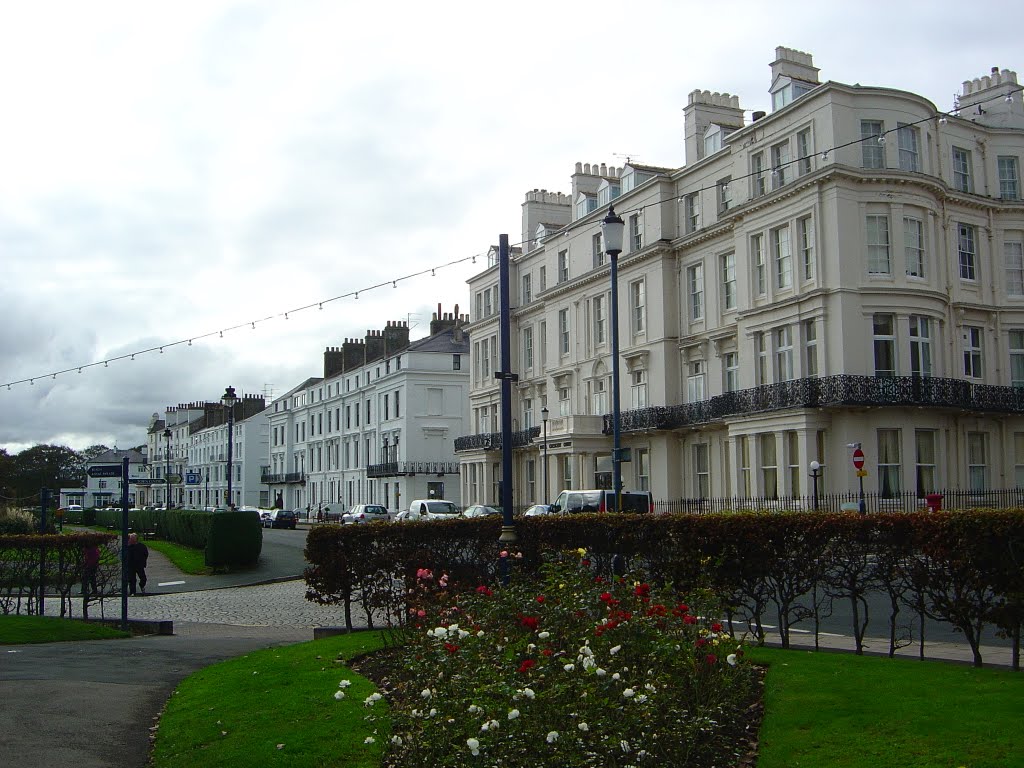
(537, 510)
(366, 513)
(480, 510)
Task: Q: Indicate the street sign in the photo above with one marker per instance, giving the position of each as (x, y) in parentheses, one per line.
(858, 458)
(193, 478)
(862, 473)
(174, 479)
(104, 470)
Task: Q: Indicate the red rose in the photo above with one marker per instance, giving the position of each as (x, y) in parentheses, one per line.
(483, 589)
(546, 652)
(451, 648)
(711, 659)
(540, 598)
(642, 590)
(527, 665)
(689, 619)
(716, 627)
(585, 563)
(530, 622)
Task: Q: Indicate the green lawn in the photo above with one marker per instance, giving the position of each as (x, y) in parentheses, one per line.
(186, 559)
(16, 630)
(274, 707)
(847, 711)
(823, 710)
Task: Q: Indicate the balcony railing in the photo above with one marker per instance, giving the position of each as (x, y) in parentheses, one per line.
(397, 468)
(825, 392)
(279, 479)
(491, 441)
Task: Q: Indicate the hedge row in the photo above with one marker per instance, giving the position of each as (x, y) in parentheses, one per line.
(962, 568)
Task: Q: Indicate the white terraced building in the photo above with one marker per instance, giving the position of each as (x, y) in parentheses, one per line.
(847, 268)
(379, 426)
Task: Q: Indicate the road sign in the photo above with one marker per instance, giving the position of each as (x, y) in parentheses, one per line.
(858, 458)
(193, 478)
(104, 470)
(862, 473)
(174, 479)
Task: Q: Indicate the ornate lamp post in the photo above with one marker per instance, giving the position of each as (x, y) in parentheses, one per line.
(611, 231)
(229, 399)
(167, 467)
(815, 474)
(544, 419)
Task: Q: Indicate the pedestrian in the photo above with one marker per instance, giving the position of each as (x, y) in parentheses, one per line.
(90, 565)
(138, 554)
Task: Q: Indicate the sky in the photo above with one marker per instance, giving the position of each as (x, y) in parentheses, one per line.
(171, 171)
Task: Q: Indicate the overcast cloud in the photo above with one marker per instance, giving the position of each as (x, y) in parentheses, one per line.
(169, 171)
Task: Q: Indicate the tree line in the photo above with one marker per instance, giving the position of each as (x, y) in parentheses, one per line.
(23, 474)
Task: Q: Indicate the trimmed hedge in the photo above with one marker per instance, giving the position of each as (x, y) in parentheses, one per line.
(963, 568)
(235, 539)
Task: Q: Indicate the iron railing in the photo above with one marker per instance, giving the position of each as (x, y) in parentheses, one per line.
(908, 501)
(824, 392)
(281, 479)
(491, 441)
(396, 468)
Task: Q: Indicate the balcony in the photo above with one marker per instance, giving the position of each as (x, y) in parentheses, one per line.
(289, 477)
(399, 468)
(827, 392)
(491, 441)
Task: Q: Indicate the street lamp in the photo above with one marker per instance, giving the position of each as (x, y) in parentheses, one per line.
(815, 474)
(229, 399)
(167, 466)
(544, 419)
(611, 231)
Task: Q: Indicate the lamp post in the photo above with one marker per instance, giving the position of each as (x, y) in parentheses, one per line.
(167, 467)
(815, 473)
(544, 419)
(611, 232)
(206, 499)
(229, 399)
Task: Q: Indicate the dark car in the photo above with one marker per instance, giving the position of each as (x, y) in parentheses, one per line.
(283, 518)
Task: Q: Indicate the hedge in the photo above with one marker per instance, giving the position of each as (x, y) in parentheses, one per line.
(962, 568)
(234, 539)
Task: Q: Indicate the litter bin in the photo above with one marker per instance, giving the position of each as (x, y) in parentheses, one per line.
(934, 501)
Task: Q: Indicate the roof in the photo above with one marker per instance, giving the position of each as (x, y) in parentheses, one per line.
(113, 456)
(443, 341)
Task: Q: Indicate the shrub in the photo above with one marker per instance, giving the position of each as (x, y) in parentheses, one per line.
(235, 539)
(568, 670)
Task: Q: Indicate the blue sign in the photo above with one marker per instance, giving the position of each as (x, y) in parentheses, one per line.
(193, 478)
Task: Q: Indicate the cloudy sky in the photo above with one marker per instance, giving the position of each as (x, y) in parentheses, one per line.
(171, 170)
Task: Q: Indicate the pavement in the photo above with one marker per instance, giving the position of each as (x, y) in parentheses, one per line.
(92, 704)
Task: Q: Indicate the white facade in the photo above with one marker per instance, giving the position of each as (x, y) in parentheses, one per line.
(108, 491)
(379, 427)
(205, 479)
(798, 286)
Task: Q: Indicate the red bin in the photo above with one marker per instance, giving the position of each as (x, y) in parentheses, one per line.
(934, 501)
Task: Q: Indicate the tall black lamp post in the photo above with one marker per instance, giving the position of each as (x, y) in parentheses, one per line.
(167, 467)
(611, 231)
(815, 474)
(229, 399)
(544, 419)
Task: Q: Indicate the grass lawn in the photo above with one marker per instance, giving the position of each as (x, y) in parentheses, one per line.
(185, 558)
(274, 707)
(822, 710)
(847, 711)
(15, 630)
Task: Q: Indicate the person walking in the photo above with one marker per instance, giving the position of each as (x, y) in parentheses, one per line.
(138, 554)
(90, 564)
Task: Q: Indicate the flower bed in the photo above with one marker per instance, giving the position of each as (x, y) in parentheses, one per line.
(570, 670)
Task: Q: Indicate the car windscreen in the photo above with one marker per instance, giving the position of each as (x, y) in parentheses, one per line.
(372, 510)
(441, 508)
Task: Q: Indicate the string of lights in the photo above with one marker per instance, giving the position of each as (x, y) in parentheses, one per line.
(251, 324)
(880, 138)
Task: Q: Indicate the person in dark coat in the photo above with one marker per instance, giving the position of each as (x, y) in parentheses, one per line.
(90, 564)
(138, 555)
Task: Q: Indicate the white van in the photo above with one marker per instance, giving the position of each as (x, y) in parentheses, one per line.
(601, 501)
(430, 509)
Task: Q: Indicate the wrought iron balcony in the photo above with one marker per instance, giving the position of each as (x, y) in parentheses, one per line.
(279, 479)
(491, 441)
(828, 392)
(398, 468)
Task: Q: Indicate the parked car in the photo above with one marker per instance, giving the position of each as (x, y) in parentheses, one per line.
(75, 508)
(602, 501)
(281, 518)
(366, 513)
(537, 510)
(480, 510)
(429, 509)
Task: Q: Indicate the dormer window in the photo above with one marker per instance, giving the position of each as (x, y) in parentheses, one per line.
(632, 178)
(607, 192)
(585, 204)
(786, 90)
(714, 138)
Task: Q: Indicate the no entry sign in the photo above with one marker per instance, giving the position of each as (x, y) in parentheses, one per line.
(858, 458)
